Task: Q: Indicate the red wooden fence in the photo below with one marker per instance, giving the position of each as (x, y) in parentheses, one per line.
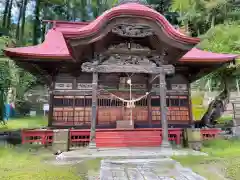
(146, 137)
(208, 134)
(79, 137)
(41, 136)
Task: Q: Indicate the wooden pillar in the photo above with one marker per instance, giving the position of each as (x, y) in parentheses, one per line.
(149, 87)
(51, 97)
(163, 109)
(92, 143)
(74, 97)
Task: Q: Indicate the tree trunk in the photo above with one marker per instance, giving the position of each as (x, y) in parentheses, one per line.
(5, 13)
(74, 11)
(83, 11)
(68, 9)
(9, 14)
(213, 21)
(36, 25)
(2, 106)
(24, 6)
(19, 19)
(43, 32)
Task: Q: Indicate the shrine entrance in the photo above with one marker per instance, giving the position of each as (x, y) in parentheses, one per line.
(115, 63)
(122, 106)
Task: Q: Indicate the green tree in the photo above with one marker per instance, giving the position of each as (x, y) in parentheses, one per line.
(223, 38)
(37, 23)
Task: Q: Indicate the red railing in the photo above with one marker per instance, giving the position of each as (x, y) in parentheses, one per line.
(41, 136)
(208, 134)
(79, 137)
(175, 135)
(114, 137)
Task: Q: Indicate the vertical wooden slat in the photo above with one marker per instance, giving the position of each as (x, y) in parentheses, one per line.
(50, 113)
(84, 109)
(73, 113)
(190, 115)
(149, 87)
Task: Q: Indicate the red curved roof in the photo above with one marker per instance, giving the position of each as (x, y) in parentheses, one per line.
(197, 55)
(127, 9)
(54, 47)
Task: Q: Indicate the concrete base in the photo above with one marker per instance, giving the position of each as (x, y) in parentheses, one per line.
(92, 145)
(195, 145)
(166, 144)
(236, 131)
(128, 152)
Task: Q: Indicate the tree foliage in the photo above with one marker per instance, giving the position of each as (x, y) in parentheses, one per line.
(223, 38)
(215, 21)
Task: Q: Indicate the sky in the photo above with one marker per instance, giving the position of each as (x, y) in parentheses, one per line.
(15, 10)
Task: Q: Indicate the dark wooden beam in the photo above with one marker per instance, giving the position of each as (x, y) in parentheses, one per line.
(111, 68)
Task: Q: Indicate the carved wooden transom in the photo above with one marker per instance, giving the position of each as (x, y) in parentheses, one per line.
(129, 30)
(128, 60)
(129, 46)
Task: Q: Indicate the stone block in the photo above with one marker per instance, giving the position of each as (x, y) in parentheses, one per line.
(236, 131)
(60, 140)
(194, 139)
(125, 124)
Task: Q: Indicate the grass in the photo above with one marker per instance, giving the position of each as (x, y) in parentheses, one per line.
(25, 122)
(20, 163)
(17, 163)
(224, 119)
(223, 160)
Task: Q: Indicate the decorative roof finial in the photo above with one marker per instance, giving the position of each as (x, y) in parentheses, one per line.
(144, 2)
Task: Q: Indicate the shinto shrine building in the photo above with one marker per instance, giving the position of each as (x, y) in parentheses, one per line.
(128, 69)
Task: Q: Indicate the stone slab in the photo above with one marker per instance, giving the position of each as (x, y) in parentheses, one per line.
(145, 169)
(135, 153)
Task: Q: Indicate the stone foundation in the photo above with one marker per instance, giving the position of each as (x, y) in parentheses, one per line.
(60, 140)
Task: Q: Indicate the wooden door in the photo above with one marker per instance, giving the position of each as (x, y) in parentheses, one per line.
(109, 110)
(82, 110)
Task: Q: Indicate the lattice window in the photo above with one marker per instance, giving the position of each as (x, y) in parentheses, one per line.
(63, 116)
(178, 108)
(63, 101)
(83, 110)
(103, 102)
(72, 110)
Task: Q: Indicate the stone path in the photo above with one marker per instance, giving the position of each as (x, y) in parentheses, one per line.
(136, 163)
(129, 153)
(145, 169)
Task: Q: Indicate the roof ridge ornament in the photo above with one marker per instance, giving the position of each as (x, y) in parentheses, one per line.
(144, 2)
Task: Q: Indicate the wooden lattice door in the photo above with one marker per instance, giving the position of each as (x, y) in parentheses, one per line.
(83, 110)
(109, 110)
(63, 113)
(139, 112)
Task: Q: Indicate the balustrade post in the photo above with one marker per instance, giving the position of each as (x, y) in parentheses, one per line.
(92, 144)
